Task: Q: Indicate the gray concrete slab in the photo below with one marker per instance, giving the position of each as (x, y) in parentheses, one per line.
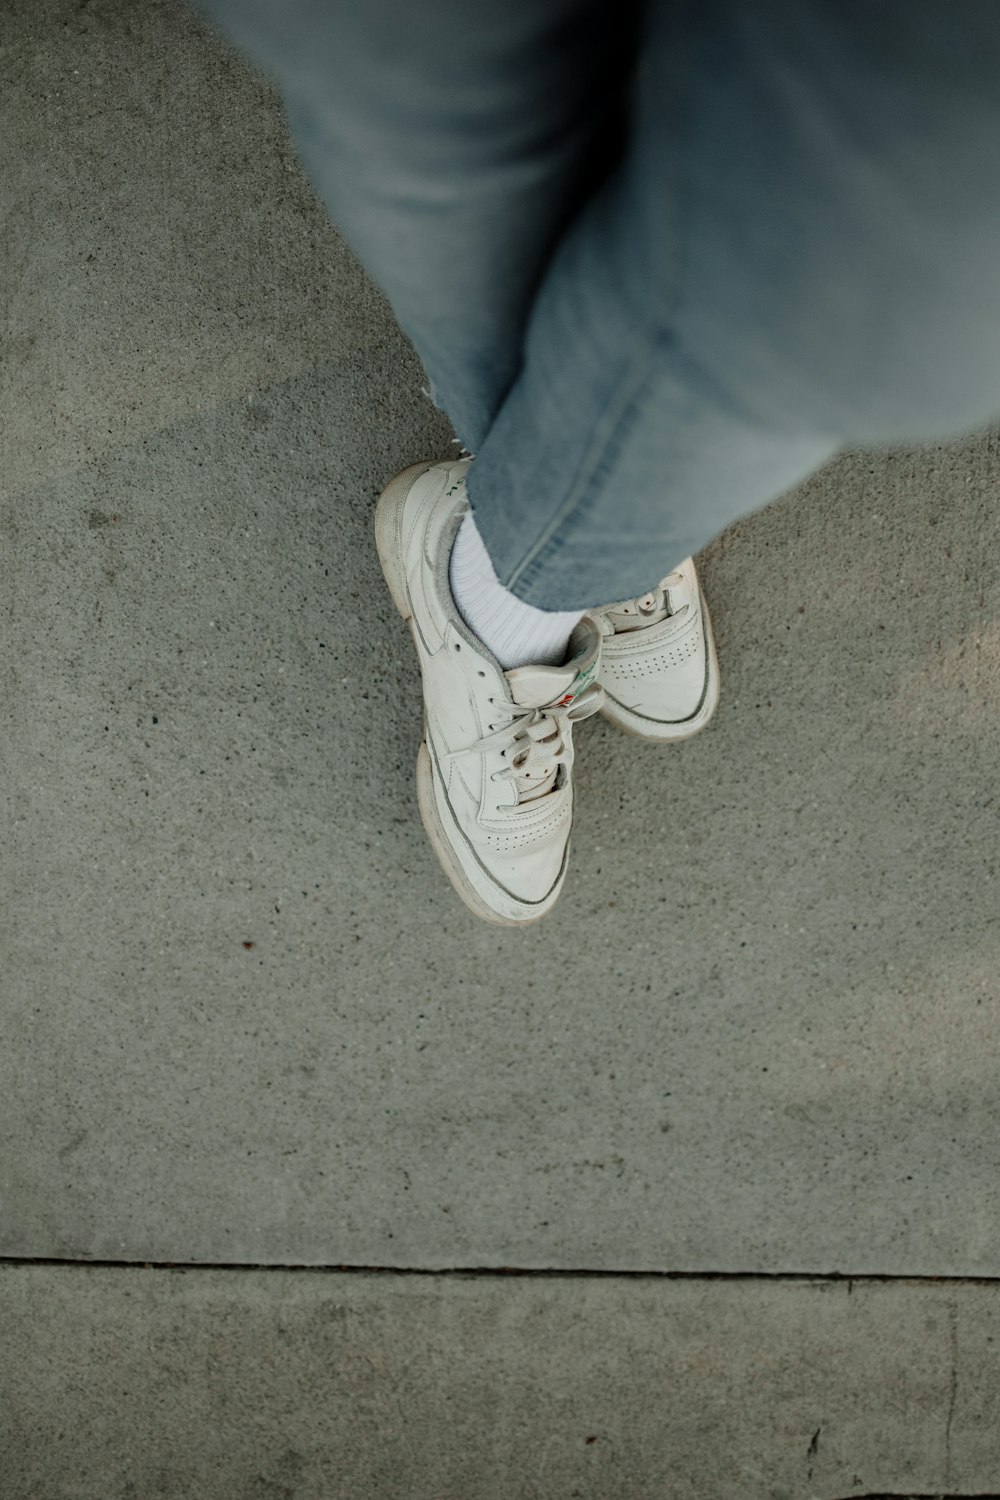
(242, 1016)
(160, 248)
(128, 1384)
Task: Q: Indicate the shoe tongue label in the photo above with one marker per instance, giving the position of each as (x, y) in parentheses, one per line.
(536, 686)
(577, 686)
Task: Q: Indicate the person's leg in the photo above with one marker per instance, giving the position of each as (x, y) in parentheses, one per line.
(796, 250)
(799, 250)
(452, 142)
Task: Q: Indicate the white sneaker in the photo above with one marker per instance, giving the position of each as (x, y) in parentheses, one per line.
(659, 669)
(494, 769)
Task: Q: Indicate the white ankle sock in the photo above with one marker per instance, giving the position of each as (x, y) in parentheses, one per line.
(517, 633)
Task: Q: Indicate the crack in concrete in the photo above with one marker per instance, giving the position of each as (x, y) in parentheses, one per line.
(953, 1341)
(812, 1450)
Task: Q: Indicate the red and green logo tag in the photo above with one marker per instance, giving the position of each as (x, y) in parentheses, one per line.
(577, 686)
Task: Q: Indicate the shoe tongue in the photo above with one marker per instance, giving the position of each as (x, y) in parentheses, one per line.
(536, 685)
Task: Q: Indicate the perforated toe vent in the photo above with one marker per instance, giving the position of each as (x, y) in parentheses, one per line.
(633, 666)
(520, 838)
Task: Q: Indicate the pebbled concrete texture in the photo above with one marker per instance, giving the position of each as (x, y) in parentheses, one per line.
(161, 250)
(243, 1018)
(126, 1383)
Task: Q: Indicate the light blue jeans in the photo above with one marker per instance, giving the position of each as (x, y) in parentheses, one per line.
(660, 258)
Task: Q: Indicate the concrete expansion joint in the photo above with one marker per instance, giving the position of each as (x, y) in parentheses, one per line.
(829, 1278)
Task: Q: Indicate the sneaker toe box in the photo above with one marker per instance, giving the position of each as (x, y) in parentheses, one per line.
(662, 677)
(529, 862)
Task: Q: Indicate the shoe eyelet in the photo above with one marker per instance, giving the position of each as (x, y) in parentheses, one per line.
(458, 645)
(483, 674)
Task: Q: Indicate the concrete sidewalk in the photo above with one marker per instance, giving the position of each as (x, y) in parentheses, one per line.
(269, 1385)
(243, 1019)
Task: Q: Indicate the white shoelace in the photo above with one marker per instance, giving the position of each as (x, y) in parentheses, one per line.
(537, 741)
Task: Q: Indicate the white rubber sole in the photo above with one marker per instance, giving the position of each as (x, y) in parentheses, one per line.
(389, 543)
(664, 734)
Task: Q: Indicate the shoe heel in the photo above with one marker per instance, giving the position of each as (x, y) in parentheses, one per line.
(389, 533)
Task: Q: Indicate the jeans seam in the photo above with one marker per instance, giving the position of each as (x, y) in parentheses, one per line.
(603, 449)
